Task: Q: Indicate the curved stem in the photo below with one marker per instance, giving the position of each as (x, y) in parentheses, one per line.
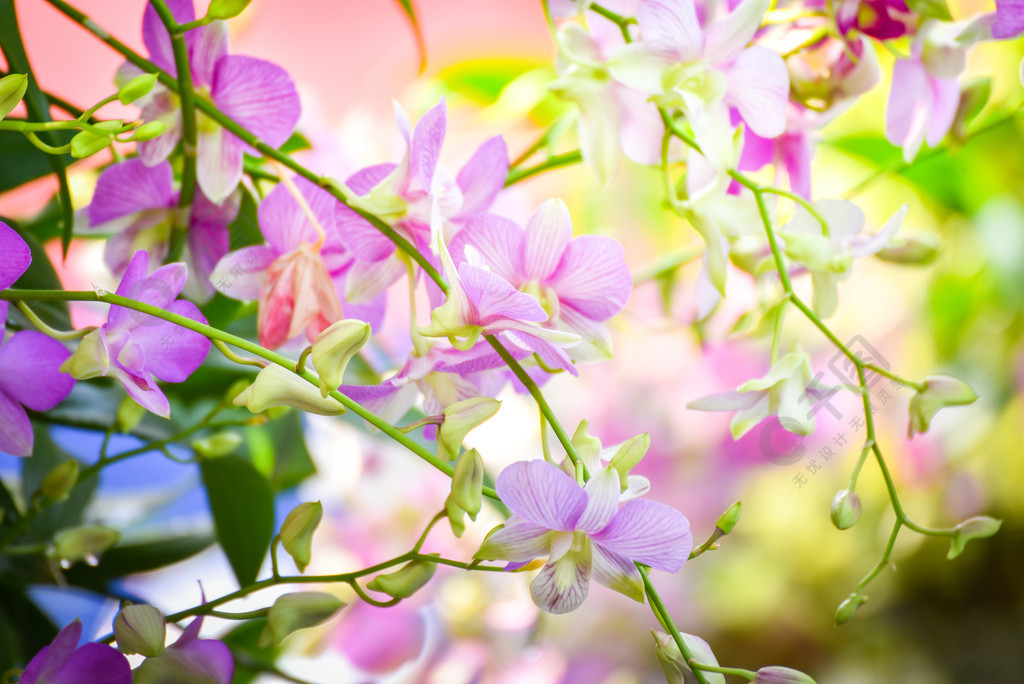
(552, 162)
(47, 330)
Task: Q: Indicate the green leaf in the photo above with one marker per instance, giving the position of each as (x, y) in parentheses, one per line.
(46, 455)
(139, 557)
(24, 629)
(407, 7)
(245, 229)
(22, 162)
(936, 9)
(243, 513)
(296, 143)
(292, 463)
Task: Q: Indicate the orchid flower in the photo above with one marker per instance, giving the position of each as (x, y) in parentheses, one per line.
(578, 282)
(136, 202)
(704, 70)
(29, 361)
(403, 196)
(257, 94)
(298, 275)
(584, 534)
(880, 19)
(189, 660)
(790, 152)
(788, 390)
(830, 75)
(1009, 21)
(137, 349)
(65, 662)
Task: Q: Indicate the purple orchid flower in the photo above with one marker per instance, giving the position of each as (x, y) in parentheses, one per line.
(880, 19)
(299, 275)
(137, 203)
(584, 533)
(404, 195)
(29, 360)
(64, 662)
(189, 660)
(133, 347)
(257, 94)
(1009, 22)
(578, 282)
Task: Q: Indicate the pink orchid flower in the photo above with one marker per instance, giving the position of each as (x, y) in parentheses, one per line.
(257, 94)
(189, 660)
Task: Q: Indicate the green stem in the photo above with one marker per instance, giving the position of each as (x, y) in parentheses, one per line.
(553, 162)
(734, 671)
(47, 330)
(658, 606)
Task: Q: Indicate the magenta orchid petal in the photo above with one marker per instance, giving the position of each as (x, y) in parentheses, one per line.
(592, 277)
(155, 36)
(145, 391)
(499, 242)
(542, 494)
(650, 533)
(365, 180)
(671, 24)
(240, 274)
(1009, 21)
(16, 436)
(258, 95)
(15, 256)
(365, 241)
(387, 400)
(759, 88)
(131, 187)
(483, 176)
(426, 144)
(30, 360)
(495, 299)
(602, 501)
(548, 233)
(173, 353)
(561, 587)
(63, 662)
(207, 45)
(218, 163)
(208, 236)
(284, 223)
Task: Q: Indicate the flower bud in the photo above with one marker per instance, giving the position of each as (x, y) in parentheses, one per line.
(919, 250)
(90, 360)
(456, 516)
(775, 674)
(297, 532)
(588, 448)
(628, 455)
(218, 444)
(672, 662)
(334, 348)
(845, 509)
(226, 9)
(849, 606)
(978, 527)
(12, 89)
(468, 482)
(129, 413)
(87, 143)
(299, 610)
(939, 391)
(59, 482)
(147, 131)
(405, 582)
(727, 521)
(86, 543)
(136, 88)
(140, 629)
(459, 419)
(275, 386)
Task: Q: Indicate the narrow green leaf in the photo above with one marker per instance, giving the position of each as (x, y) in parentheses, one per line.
(243, 513)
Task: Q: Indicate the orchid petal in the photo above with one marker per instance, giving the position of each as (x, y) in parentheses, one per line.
(483, 176)
(907, 110)
(642, 67)
(672, 24)
(495, 299)
(725, 401)
(173, 353)
(945, 100)
(519, 541)
(650, 533)
(240, 274)
(367, 280)
(592, 277)
(15, 256)
(548, 233)
(286, 225)
(758, 85)
(726, 38)
(15, 429)
(131, 187)
(427, 139)
(155, 36)
(602, 500)
(207, 45)
(562, 586)
(617, 572)
(499, 242)
(218, 163)
(259, 95)
(747, 418)
(30, 361)
(542, 494)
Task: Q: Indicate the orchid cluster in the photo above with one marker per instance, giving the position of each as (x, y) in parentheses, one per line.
(218, 237)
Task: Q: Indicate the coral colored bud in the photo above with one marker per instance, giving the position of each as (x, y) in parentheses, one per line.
(468, 482)
(939, 391)
(919, 250)
(297, 532)
(845, 509)
(86, 543)
(628, 455)
(140, 629)
(275, 386)
(334, 348)
(673, 664)
(87, 143)
(973, 528)
(727, 521)
(226, 9)
(459, 419)
(136, 88)
(12, 89)
(147, 131)
(781, 675)
(219, 444)
(292, 612)
(90, 359)
(848, 607)
(405, 582)
(59, 482)
(129, 413)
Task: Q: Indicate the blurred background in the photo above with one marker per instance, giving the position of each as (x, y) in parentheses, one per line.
(769, 594)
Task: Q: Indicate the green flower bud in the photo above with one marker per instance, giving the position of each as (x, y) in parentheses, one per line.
(226, 9)
(588, 448)
(136, 88)
(673, 664)
(129, 413)
(90, 359)
(775, 674)
(86, 543)
(140, 629)
(292, 612)
(939, 391)
(407, 581)
(973, 528)
(918, 250)
(218, 444)
(628, 455)
(87, 143)
(974, 94)
(275, 386)
(848, 607)
(456, 516)
(147, 131)
(12, 89)
(459, 419)
(468, 482)
(297, 532)
(727, 521)
(845, 509)
(334, 348)
(59, 482)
